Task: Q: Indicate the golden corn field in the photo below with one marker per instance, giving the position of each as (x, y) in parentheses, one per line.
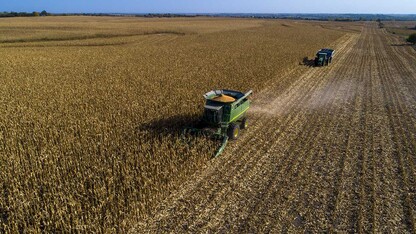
(91, 111)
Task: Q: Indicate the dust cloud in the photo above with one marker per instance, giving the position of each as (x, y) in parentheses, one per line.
(306, 98)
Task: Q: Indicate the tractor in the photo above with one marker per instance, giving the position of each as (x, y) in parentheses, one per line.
(324, 57)
(224, 116)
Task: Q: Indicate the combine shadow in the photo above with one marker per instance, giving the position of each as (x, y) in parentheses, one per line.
(169, 126)
(308, 62)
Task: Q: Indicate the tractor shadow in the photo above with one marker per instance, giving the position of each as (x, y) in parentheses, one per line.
(404, 45)
(173, 125)
(401, 44)
(307, 62)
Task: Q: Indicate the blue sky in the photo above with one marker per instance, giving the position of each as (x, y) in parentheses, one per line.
(212, 6)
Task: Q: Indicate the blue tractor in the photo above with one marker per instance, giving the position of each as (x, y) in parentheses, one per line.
(324, 57)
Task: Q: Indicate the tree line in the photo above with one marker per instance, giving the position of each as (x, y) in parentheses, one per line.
(23, 14)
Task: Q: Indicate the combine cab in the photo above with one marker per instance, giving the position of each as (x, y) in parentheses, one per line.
(324, 57)
(224, 115)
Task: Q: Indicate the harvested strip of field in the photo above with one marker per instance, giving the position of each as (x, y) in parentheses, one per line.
(333, 151)
(86, 37)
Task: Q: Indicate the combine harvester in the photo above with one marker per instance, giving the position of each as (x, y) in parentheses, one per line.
(324, 57)
(224, 116)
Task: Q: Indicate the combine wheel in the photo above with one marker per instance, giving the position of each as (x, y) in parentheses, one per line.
(233, 131)
(244, 123)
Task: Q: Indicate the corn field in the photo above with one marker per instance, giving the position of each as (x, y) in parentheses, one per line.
(92, 108)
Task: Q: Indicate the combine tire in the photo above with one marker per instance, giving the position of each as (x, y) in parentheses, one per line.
(244, 123)
(233, 131)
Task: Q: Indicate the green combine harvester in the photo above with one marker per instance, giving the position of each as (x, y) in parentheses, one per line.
(224, 116)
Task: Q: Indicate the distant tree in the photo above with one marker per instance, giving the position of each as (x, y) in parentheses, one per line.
(43, 13)
(412, 38)
(35, 13)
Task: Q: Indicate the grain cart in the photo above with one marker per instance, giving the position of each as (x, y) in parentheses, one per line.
(224, 116)
(324, 57)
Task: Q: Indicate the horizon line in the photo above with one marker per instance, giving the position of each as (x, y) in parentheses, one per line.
(217, 13)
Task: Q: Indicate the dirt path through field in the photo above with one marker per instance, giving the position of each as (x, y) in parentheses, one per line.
(334, 149)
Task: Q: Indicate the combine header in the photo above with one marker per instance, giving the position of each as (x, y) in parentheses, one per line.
(224, 116)
(324, 57)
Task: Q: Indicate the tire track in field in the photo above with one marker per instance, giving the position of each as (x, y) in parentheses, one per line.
(400, 129)
(368, 176)
(354, 204)
(387, 98)
(351, 161)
